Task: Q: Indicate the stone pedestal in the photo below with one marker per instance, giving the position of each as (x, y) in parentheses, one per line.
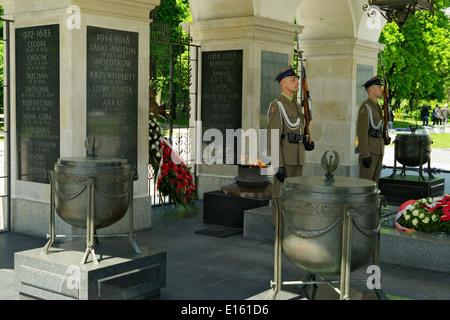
(258, 224)
(120, 275)
(227, 210)
(403, 188)
(71, 62)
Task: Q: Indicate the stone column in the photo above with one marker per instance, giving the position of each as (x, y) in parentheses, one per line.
(267, 47)
(340, 42)
(336, 70)
(78, 29)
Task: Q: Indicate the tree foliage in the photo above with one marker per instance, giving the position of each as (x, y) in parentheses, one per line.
(171, 13)
(174, 12)
(417, 59)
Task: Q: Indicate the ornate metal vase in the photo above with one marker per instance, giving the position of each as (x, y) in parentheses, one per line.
(111, 180)
(313, 212)
(409, 148)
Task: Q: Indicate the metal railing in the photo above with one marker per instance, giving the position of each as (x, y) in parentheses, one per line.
(171, 72)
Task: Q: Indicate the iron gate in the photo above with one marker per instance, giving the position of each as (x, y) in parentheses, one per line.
(173, 63)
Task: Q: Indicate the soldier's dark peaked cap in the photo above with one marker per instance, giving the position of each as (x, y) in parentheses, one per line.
(375, 81)
(286, 72)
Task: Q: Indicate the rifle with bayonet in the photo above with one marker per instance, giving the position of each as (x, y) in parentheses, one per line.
(305, 98)
(386, 102)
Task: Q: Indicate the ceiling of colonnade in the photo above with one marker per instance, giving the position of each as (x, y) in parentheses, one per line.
(322, 19)
(282, 10)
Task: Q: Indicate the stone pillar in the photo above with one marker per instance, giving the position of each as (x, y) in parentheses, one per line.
(116, 31)
(340, 42)
(267, 47)
(336, 70)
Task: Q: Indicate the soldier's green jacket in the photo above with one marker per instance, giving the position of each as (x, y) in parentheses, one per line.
(368, 145)
(290, 154)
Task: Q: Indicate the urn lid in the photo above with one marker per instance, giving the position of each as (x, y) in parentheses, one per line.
(91, 163)
(330, 185)
(341, 185)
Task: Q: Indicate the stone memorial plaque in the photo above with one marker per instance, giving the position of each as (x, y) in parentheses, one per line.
(222, 92)
(37, 101)
(112, 92)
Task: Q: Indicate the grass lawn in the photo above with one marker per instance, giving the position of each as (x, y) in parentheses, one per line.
(440, 140)
(403, 123)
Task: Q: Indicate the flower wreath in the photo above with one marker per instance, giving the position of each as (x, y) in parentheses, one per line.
(174, 178)
(427, 214)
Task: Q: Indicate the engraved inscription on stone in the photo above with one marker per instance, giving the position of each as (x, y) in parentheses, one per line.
(112, 92)
(222, 89)
(222, 92)
(37, 101)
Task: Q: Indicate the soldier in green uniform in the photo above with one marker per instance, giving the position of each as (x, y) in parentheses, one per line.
(370, 132)
(285, 116)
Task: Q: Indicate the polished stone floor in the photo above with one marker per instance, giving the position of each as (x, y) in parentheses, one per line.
(201, 267)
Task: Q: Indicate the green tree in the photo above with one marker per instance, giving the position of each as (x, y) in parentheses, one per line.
(174, 12)
(171, 13)
(417, 59)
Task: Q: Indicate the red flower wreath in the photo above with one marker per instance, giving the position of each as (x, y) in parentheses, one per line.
(174, 178)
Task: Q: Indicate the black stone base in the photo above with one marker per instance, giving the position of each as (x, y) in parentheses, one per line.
(403, 188)
(226, 210)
